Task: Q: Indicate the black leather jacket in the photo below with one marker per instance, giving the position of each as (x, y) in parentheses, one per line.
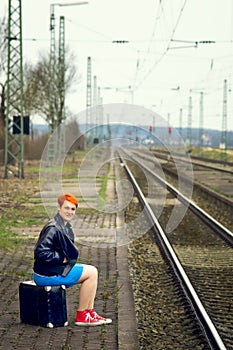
(56, 241)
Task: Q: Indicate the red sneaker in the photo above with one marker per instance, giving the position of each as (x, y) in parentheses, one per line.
(95, 316)
(83, 318)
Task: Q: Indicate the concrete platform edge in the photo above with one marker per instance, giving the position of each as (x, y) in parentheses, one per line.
(127, 323)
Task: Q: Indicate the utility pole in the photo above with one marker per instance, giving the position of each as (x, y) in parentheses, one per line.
(100, 114)
(54, 89)
(224, 118)
(153, 124)
(61, 142)
(201, 116)
(189, 126)
(89, 94)
(98, 120)
(201, 120)
(52, 71)
(168, 120)
(169, 128)
(14, 127)
(53, 143)
(95, 100)
(57, 82)
(61, 71)
(181, 121)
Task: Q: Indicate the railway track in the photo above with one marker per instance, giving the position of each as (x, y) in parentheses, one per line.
(210, 187)
(197, 277)
(197, 161)
(210, 175)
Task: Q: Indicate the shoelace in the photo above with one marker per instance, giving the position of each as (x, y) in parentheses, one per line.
(94, 314)
(88, 317)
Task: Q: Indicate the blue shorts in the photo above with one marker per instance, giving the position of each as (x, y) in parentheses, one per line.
(69, 280)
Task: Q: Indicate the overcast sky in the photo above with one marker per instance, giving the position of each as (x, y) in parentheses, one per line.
(164, 61)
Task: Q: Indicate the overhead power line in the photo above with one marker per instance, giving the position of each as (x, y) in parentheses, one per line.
(139, 65)
(166, 49)
(193, 43)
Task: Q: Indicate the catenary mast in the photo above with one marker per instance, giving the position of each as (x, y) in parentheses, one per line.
(14, 127)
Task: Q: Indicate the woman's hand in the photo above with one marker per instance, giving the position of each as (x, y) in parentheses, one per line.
(65, 260)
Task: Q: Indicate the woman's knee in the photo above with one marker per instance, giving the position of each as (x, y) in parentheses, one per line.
(93, 271)
(89, 271)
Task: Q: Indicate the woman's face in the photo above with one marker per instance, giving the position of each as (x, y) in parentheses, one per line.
(67, 211)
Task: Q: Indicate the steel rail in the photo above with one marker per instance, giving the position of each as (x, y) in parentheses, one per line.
(196, 159)
(206, 323)
(216, 226)
(209, 191)
(198, 162)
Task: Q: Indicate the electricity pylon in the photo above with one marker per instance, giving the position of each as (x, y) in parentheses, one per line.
(201, 119)
(189, 126)
(224, 116)
(61, 142)
(14, 126)
(57, 145)
(52, 71)
(89, 94)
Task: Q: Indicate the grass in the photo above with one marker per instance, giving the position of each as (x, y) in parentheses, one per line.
(18, 217)
(20, 205)
(102, 192)
(8, 239)
(213, 153)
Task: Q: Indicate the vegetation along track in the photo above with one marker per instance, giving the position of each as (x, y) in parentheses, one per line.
(165, 320)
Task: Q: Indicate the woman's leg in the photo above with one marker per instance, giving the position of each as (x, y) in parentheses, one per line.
(86, 315)
(87, 293)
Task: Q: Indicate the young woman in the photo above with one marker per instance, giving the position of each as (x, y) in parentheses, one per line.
(55, 262)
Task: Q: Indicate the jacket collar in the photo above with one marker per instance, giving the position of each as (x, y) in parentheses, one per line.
(60, 221)
(66, 229)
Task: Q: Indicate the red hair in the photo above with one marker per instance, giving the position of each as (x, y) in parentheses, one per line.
(67, 197)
